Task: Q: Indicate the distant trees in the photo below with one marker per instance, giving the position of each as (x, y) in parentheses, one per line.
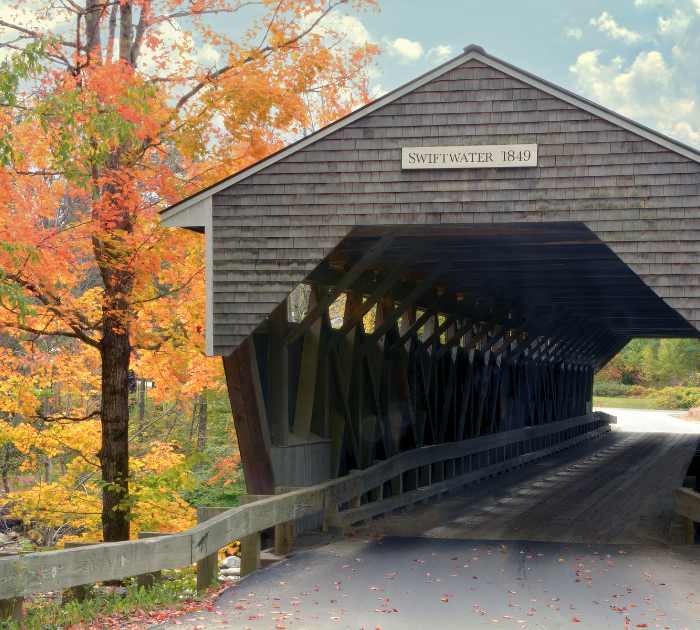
(656, 363)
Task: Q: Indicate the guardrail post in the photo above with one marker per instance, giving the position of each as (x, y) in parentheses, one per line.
(147, 580)
(284, 532)
(11, 609)
(251, 544)
(75, 593)
(327, 513)
(207, 567)
(397, 486)
(424, 476)
(375, 494)
(355, 502)
(689, 526)
(250, 553)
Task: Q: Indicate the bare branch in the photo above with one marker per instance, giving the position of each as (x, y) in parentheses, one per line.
(73, 334)
(90, 416)
(211, 77)
(15, 27)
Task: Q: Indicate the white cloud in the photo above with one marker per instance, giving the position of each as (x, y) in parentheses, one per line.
(440, 53)
(406, 50)
(573, 32)
(647, 90)
(409, 52)
(606, 24)
(354, 30)
(675, 25)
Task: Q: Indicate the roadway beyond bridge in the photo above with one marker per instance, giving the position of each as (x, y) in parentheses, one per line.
(579, 540)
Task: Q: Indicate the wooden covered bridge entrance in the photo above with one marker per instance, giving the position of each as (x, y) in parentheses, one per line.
(507, 236)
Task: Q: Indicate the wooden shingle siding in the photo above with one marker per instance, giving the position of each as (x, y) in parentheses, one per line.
(642, 199)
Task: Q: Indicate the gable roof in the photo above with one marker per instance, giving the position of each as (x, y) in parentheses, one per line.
(470, 52)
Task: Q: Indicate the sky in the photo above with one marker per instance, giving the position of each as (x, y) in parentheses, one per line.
(640, 58)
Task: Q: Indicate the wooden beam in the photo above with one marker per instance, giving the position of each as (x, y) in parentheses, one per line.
(405, 304)
(485, 328)
(307, 376)
(482, 310)
(566, 336)
(340, 418)
(615, 349)
(376, 295)
(250, 419)
(278, 376)
(362, 264)
(460, 311)
(534, 334)
(432, 310)
(513, 336)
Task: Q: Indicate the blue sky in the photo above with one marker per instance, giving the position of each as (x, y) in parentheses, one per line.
(640, 58)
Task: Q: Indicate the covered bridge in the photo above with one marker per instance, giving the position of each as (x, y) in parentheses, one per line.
(509, 238)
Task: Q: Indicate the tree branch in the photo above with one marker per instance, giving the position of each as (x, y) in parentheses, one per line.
(90, 416)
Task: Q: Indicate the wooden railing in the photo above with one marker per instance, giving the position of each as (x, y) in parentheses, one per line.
(449, 463)
(687, 504)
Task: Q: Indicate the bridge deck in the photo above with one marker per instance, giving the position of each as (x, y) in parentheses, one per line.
(453, 564)
(614, 491)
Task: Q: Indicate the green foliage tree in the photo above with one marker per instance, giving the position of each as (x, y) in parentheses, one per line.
(672, 362)
(655, 363)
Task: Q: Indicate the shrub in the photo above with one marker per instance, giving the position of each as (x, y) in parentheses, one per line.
(678, 397)
(694, 413)
(614, 389)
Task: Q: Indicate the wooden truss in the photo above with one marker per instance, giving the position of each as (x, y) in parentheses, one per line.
(475, 332)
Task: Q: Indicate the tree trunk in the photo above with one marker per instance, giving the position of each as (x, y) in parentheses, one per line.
(194, 417)
(6, 468)
(202, 426)
(142, 407)
(114, 454)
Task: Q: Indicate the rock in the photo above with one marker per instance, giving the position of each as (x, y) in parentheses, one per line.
(235, 571)
(121, 592)
(230, 562)
(8, 524)
(4, 539)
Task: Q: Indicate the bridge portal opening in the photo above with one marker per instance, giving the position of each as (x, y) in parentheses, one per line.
(478, 330)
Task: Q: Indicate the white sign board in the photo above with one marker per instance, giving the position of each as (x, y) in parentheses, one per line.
(486, 156)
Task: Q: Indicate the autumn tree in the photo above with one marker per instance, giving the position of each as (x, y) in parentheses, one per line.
(111, 111)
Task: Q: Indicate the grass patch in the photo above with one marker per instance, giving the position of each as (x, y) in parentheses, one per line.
(174, 596)
(625, 403)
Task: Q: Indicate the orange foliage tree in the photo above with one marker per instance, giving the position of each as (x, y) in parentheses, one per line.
(109, 111)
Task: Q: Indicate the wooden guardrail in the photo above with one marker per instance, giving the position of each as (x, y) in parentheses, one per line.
(59, 570)
(687, 504)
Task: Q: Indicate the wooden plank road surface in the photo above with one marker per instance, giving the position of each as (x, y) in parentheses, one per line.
(617, 489)
(445, 584)
(538, 547)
